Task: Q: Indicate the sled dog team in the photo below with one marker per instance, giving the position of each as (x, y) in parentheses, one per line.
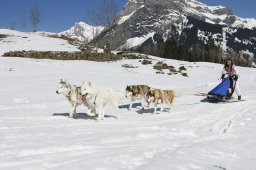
(95, 96)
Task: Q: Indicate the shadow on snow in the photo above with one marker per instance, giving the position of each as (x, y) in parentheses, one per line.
(82, 116)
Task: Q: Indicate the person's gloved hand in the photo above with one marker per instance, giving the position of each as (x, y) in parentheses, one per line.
(222, 76)
(235, 77)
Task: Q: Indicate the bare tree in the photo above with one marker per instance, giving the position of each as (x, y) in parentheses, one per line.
(23, 21)
(34, 18)
(109, 10)
(102, 15)
(13, 25)
(94, 20)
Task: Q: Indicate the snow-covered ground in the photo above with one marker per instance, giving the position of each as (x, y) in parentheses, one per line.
(39, 41)
(136, 41)
(36, 133)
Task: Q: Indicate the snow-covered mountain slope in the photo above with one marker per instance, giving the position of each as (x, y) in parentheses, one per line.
(83, 32)
(187, 21)
(211, 14)
(15, 40)
(36, 132)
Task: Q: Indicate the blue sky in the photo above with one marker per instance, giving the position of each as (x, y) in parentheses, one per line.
(59, 15)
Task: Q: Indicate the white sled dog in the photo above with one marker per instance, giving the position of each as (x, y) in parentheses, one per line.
(137, 92)
(74, 97)
(100, 96)
(159, 96)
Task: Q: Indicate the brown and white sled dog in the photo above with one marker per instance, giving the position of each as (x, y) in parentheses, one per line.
(159, 96)
(74, 97)
(100, 96)
(137, 92)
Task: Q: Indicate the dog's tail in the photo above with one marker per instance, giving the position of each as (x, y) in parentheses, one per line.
(123, 100)
(178, 94)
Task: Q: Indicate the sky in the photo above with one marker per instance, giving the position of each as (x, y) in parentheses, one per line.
(60, 15)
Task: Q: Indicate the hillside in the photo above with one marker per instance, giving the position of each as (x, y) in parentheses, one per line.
(39, 41)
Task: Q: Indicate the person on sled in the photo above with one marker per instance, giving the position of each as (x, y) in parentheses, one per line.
(230, 72)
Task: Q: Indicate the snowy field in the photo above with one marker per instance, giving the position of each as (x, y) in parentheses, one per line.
(36, 133)
(40, 41)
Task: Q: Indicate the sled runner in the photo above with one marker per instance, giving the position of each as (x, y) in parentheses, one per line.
(233, 101)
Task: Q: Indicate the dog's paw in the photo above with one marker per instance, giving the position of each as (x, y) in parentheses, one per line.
(99, 119)
(74, 116)
(92, 114)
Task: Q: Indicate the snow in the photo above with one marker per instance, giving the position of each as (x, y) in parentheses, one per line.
(36, 132)
(125, 18)
(216, 37)
(224, 41)
(209, 13)
(247, 42)
(17, 41)
(209, 21)
(212, 16)
(201, 9)
(135, 1)
(136, 41)
(83, 31)
(203, 36)
(245, 22)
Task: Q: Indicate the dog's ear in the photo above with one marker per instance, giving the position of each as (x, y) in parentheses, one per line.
(61, 81)
(89, 83)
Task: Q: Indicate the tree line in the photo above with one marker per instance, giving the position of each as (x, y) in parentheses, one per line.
(170, 49)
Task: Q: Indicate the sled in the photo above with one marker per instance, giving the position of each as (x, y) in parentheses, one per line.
(221, 92)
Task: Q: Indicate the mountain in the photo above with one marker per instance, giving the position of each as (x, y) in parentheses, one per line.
(82, 31)
(187, 21)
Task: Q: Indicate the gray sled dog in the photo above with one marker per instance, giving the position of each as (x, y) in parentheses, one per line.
(74, 97)
(137, 92)
(159, 96)
(100, 95)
